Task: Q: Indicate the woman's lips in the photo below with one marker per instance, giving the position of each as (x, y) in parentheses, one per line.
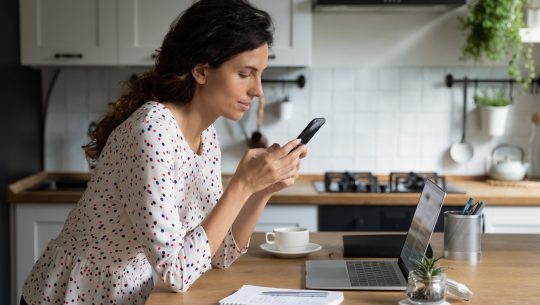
(244, 106)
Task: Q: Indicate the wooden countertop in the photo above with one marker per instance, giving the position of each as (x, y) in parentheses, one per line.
(508, 273)
(303, 192)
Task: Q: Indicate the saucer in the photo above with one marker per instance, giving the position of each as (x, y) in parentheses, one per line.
(310, 248)
(407, 302)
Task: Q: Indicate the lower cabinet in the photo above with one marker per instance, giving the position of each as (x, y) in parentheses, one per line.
(35, 224)
(511, 219)
(274, 216)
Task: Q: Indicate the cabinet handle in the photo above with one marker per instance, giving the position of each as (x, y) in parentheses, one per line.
(271, 56)
(68, 55)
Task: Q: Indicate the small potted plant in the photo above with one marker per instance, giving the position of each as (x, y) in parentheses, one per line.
(493, 32)
(494, 107)
(427, 282)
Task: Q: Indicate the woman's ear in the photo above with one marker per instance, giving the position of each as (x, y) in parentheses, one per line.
(200, 73)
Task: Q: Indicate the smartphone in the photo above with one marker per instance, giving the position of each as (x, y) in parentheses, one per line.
(310, 130)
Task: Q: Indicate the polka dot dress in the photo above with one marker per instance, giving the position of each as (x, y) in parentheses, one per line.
(142, 209)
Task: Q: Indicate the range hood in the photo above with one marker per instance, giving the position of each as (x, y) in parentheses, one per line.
(387, 6)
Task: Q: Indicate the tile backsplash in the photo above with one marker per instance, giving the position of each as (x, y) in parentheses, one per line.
(379, 119)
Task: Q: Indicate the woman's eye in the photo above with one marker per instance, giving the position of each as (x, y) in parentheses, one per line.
(244, 75)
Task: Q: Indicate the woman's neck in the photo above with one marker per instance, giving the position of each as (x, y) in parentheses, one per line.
(191, 121)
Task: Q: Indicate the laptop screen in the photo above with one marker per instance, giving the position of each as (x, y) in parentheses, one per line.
(423, 224)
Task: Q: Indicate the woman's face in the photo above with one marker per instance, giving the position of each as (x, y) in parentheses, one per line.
(228, 91)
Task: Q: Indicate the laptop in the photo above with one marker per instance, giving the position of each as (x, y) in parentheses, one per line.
(382, 274)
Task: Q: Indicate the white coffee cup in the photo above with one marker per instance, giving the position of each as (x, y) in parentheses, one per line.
(288, 239)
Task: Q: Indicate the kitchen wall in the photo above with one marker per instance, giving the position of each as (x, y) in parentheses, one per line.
(378, 79)
(20, 125)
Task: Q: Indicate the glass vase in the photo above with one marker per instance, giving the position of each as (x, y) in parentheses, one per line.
(422, 291)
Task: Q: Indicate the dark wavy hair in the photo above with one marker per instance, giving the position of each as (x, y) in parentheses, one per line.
(208, 32)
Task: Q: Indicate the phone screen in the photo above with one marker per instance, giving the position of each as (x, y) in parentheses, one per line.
(311, 129)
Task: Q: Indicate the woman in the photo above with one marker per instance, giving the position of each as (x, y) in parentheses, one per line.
(155, 200)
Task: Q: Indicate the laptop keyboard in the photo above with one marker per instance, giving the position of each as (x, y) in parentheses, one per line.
(372, 273)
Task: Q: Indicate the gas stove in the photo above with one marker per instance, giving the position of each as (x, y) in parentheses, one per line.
(366, 182)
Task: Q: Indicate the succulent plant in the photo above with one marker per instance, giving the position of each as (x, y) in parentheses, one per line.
(427, 268)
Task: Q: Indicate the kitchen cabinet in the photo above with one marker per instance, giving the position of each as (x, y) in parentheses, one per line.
(292, 36)
(273, 216)
(35, 224)
(128, 32)
(142, 24)
(68, 32)
(512, 219)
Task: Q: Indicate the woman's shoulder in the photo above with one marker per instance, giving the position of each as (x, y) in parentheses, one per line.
(152, 115)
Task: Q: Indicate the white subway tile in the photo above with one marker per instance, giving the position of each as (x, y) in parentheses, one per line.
(343, 124)
(365, 123)
(343, 146)
(366, 78)
(387, 124)
(410, 101)
(366, 101)
(409, 146)
(343, 79)
(321, 103)
(343, 101)
(321, 79)
(388, 79)
(411, 78)
(388, 101)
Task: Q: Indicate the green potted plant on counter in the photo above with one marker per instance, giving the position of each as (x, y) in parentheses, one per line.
(493, 106)
(427, 282)
(493, 32)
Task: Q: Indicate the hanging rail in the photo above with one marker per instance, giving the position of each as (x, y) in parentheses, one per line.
(450, 81)
(300, 81)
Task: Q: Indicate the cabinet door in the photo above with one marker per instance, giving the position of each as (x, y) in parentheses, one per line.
(35, 225)
(68, 32)
(142, 25)
(504, 219)
(292, 36)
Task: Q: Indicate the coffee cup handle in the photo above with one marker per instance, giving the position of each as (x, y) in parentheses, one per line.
(268, 241)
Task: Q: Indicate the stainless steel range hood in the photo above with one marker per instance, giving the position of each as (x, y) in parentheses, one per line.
(386, 6)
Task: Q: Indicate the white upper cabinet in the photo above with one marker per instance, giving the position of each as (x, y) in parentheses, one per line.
(292, 36)
(68, 32)
(142, 25)
(95, 32)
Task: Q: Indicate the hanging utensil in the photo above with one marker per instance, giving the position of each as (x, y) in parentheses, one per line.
(462, 151)
(258, 140)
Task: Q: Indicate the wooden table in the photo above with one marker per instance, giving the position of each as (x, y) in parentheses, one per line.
(508, 273)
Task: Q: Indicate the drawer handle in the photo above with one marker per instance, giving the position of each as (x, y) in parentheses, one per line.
(68, 55)
(271, 56)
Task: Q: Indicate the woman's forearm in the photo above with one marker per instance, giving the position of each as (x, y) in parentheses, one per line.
(224, 213)
(247, 218)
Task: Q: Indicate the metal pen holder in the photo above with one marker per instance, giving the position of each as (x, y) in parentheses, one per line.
(462, 236)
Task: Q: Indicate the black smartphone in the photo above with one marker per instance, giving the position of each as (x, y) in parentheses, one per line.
(311, 129)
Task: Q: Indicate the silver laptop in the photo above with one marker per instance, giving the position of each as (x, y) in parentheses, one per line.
(383, 274)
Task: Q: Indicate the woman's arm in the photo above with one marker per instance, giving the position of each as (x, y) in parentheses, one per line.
(259, 170)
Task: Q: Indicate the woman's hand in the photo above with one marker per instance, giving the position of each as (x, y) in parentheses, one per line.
(278, 186)
(270, 170)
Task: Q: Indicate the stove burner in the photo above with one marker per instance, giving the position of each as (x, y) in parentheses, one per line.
(350, 182)
(413, 182)
(365, 182)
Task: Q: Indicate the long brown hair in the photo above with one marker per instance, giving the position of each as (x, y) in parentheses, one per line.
(210, 31)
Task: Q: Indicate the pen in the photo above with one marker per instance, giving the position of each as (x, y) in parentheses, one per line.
(296, 293)
(472, 208)
(466, 208)
(479, 208)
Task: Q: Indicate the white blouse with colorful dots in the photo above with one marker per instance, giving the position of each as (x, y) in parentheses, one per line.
(142, 209)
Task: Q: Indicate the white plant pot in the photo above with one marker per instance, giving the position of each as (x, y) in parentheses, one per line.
(494, 119)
